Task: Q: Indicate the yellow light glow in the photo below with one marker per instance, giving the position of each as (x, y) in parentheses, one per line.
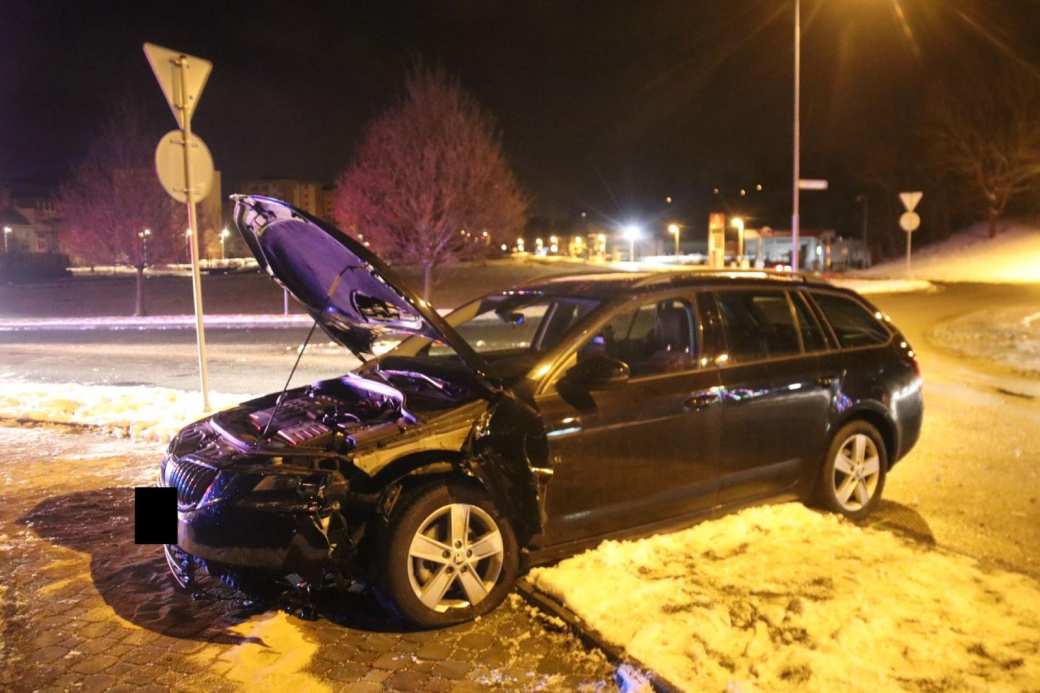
(542, 371)
(673, 229)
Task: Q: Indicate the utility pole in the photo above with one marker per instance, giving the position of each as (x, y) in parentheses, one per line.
(797, 132)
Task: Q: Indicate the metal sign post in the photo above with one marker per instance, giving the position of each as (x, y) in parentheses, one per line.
(182, 79)
(910, 221)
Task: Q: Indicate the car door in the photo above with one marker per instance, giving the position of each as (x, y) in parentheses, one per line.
(646, 451)
(774, 415)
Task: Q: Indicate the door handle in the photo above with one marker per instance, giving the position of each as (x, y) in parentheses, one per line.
(701, 400)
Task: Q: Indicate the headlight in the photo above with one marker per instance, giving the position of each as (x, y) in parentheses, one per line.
(307, 487)
(281, 482)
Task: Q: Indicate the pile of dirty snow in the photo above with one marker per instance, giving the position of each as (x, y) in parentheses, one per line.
(971, 256)
(140, 413)
(782, 598)
(882, 286)
(1010, 336)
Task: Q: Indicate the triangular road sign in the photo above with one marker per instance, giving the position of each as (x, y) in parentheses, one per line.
(166, 66)
(910, 199)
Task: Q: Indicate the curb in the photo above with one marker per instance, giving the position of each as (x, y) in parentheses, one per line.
(590, 637)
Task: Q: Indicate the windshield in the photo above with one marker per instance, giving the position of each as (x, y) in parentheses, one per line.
(511, 330)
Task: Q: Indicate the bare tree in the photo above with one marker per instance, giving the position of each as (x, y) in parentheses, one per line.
(988, 139)
(115, 209)
(430, 183)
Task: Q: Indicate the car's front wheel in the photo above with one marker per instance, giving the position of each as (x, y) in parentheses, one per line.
(446, 555)
(853, 474)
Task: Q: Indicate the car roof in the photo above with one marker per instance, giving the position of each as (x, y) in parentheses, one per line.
(605, 285)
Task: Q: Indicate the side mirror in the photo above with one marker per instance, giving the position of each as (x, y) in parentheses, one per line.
(597, 373)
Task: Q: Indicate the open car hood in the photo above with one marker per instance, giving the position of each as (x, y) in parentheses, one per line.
(349, 291)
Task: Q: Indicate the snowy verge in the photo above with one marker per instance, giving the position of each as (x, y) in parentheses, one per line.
(782, 598)
(882, 286)
(1010, 336)
(161, 322)
(141, 413)
(154, 322)
(972, 256)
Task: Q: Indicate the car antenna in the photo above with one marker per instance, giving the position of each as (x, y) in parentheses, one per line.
(281, 395)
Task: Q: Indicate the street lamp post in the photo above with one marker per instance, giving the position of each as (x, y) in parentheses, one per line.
(7, 232)
(674, 230)
(797, 129)
(144, 240)
(631, 234)
(223, 237)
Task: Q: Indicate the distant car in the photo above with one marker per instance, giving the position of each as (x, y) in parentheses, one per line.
(532, 423)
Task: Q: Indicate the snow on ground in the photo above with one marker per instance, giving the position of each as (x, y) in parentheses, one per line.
(882, 286)
(154, 322)
(782, 598)
(971, 256)
(1010, 336)
(140, 413)
(160, 322)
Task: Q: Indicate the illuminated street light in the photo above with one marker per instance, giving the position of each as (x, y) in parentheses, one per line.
(738, 224)
(631, 234)
(143, 235)
(7, 232)
(223, 237)
(674, 230)
(554, 244)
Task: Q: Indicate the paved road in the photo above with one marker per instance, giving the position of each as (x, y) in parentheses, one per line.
(973, 482)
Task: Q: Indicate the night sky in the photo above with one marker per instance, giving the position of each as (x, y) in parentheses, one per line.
(604, 106)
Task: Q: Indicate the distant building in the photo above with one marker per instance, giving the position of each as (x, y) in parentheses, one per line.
(310, 196)
(819, 250)
(31, 221)
(328, 203)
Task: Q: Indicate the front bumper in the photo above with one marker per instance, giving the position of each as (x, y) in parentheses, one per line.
(279, 543)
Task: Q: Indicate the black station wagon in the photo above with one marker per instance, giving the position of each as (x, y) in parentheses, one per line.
(532, 423)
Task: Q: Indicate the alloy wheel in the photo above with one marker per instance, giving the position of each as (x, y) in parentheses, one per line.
(455, 557)
(857, 471)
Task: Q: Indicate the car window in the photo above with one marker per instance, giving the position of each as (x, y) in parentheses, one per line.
(758, 325)
(511, 330)
(812, 333)
(652, 339)
(853, 324)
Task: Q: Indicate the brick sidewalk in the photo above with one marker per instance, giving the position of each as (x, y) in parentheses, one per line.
(82, 607)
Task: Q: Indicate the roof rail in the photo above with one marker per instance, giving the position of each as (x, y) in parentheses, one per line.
(668, 276)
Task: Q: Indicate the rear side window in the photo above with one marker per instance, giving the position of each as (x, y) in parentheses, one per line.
(758, 325)
(853, 324)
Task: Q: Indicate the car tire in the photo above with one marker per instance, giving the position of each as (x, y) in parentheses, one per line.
(852, 476)
(445, 555)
